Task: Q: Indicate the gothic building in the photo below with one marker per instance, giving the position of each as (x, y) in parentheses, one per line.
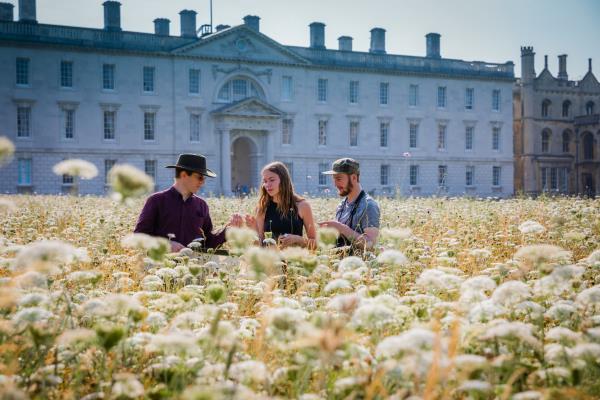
(418, 125)
(557, 130)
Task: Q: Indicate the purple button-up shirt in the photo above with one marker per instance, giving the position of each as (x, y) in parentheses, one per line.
(166, 212)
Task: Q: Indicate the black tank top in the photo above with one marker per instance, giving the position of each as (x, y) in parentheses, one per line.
(279, 224)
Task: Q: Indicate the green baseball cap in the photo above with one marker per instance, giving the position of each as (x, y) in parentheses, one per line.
(343, 166)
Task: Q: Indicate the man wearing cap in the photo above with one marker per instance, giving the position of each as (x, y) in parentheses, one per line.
(357, 216)
(177, 213)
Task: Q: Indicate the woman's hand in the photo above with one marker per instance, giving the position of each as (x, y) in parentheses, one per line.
(250, 221)
(287, 240)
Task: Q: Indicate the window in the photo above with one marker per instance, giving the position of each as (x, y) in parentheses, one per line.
(589, 108)
(413, 95)
(496, 138)
(24, 178)
(322, 90)
(414, 175)
(353, 133)
(149, 124)
(108, 76)
(566, 108)
(66, 74)
(384, 129)
(322, 132)
(237, 89)
(67, 180)
(150, 168)
(469, 98)
(287, 88)
(194, 81)
(496, 100)
(544, 172)
(384, 175)
(286, 131)
(546, 108)
(194, 127)
(441, 139)
(563, 183)
(413, 135)
(23, 122)
(68, 124)
(109, 125)
(22, 71)
(148, 79)
(442, 175)
(496, 175)
(546, 141)
(553, 178)
(384, 89)
(108, 164)
(441, 97)
(566, 139)
(588, 146)
(469, 130)
(323, 178)
(353, 92)
(469, 175)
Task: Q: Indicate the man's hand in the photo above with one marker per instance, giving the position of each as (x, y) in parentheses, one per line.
(236, 220)
(333, 224)
(176, 246)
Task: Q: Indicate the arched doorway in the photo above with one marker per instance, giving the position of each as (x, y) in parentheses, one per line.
(243, 165)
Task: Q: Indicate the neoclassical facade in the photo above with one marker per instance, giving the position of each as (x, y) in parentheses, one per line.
(557, 130)
(418, 125)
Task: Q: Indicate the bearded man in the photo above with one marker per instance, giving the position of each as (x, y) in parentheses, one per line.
(357, 216)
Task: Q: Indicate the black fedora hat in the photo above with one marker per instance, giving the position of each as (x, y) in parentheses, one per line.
(194, 163)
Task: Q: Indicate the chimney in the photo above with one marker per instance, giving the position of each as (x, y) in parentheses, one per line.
(345, 43)
(546, 61)
(27, 11)
(252, 22)
(317, 35)
(161, 26)
(589, 65)
(377, 41)
(6, 12)
(562, 67)
(188, 23)
(112, 16)
(222, 27)
(432, 41)
(527, 63)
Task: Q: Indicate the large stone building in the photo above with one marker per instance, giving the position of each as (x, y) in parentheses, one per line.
(557, 130)
(418, 125)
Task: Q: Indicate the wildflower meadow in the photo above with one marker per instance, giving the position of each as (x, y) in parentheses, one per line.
(461, 299)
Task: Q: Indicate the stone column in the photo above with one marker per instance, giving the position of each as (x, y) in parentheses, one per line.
(269, 145)
(225, 171)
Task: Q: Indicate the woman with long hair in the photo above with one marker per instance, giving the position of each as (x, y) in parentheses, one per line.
(281, 212)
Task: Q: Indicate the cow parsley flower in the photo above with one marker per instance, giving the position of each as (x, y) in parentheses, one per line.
(511, 293)
(127, 181)
(47, 255)
(392, 258)
(337, 285)
(350, 264)
(249, 372)
(414, 340)
(7, 149)
(127, 386)
(76, 167)
(531, 227)
(239, 239)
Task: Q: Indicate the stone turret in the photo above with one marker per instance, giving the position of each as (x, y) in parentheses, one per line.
(562, 67)
(527, 64)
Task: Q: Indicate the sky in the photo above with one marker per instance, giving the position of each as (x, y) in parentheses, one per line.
(482, 30)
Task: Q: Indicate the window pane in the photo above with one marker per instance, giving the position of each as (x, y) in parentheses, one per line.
(108, 164)
(194, 127)
(442, 175)
(322, 90)
(353, 92)
(496, 100)
(194, 81)
(150, 168)
(469, 138)
(148, 79)
(240, 89)
(108, 77)
(413, 136)
(441, 97)
(413, 95)
(109, 125)
(69, 122)
(22, 71)
(496, 176)
(23, 122)
(287, 89)
(353, 133)
(286, 131)
(322, 132)
(66, 74)
(149, 121)
(384, 128)
(383, 93)
(469, 98)
(414, 175)
(323, 178)
(441, 143)
(495, 138)
(384, 175)
(24, 165)
(470, 175)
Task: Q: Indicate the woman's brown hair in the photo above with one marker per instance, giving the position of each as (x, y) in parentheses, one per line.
(287, 197)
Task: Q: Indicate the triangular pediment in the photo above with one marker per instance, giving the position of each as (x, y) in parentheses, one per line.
(589, 82)
(241, 43)
(250, 107)
(546, 77)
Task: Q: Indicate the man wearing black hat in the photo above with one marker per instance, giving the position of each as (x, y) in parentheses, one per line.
(177, 213)
(357, 216)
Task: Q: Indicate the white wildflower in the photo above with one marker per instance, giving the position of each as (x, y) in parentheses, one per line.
(74, 337)
(76, 167)
(589, 297)
(127, 386)
(475, 386)
(128, 181)
(511, 293)
(31, 316)
(393, 258)
(263, 262)
(31, 280)
(33, 299)
(469, 362)
(239, 239)
(47, 255)
(173, 343)
(284, 318)
(7, 149)
(152, 282)
(594, 258)
(511, 330)
(371, 316)
(479, 283)
(337, 285)
(561, 334)
(345, 303)
(411, 341)
(531, 227)
(528, 395)
(350, 264)
(436, 280)
(249, 372)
